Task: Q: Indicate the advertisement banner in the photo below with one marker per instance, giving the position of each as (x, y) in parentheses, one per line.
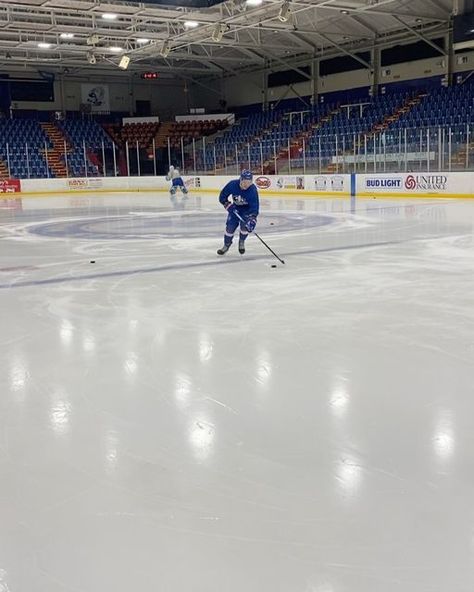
(408, 184)
(290, 182)
(96, 96)
(263, 182)
(83, 184)
(330, 183)
(10, 185)
(192, 182)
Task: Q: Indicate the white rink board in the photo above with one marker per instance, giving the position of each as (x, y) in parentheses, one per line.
(430, 184)
(289, 184)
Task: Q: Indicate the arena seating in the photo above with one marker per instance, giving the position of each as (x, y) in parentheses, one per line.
(88, 134)
(23, 144)
(133, 133)
(381, 123)
(418, 120)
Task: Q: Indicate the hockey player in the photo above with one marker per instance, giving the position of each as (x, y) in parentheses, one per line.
(176, 181)
(242, 208)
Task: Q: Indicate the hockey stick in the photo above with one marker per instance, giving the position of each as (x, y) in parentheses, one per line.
(260, 238)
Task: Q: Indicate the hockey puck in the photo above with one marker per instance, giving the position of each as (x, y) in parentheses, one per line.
(271, 223)
(92, 262)
(273, 266)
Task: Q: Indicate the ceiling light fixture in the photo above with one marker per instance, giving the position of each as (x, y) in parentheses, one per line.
(116, 49)
(344, 12)
(109, 16)
(142, 41)
(44, 45)
(165, 49)
(218, 32)
(93, 39)
(123, 64)
(67, 35)
(253, 2)
(191, 24)
(284, 13)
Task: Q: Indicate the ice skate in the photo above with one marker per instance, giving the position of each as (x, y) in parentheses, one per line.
(223, 250)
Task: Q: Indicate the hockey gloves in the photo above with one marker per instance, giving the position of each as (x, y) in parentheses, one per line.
(251, 223)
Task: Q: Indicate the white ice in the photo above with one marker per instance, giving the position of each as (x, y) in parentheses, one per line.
(174, 421)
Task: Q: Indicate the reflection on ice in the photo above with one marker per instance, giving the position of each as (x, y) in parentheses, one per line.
(60, 412)
(444, 435)
(348, 476)
(201, 438)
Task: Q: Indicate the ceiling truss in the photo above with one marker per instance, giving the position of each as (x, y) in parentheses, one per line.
(253, 37)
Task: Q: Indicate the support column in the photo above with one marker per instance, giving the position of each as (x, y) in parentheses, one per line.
(376, 60)
(450, 57)
(314, 80)
(265, 87)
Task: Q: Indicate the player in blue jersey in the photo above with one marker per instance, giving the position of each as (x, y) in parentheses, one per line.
(240, 198)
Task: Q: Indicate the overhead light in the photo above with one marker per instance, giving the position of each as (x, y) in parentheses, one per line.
(91, 59)
(218, 32)
(191, 24)
(44, 45)
(165, 49)
(253, 2)
(109, 16)
(344, 12)
(284, 13)
(123, 64)
(93, 39)
(116, 49)
(67, 35)
(143, 41)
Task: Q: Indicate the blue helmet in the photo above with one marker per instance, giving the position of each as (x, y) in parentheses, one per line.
(246, 175)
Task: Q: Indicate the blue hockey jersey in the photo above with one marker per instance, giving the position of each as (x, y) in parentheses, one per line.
(246, 200)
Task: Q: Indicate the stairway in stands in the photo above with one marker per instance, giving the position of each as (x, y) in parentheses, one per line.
(296, 143)
(257, 138)
(163, 133)
(55, 156)
(407, 106)
(3, 170)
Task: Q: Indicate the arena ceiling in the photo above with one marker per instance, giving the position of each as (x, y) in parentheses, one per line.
(221, 40)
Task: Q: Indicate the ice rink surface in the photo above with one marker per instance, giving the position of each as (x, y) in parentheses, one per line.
(172, 421)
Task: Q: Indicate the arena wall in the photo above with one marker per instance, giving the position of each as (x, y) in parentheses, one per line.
(407, 185)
